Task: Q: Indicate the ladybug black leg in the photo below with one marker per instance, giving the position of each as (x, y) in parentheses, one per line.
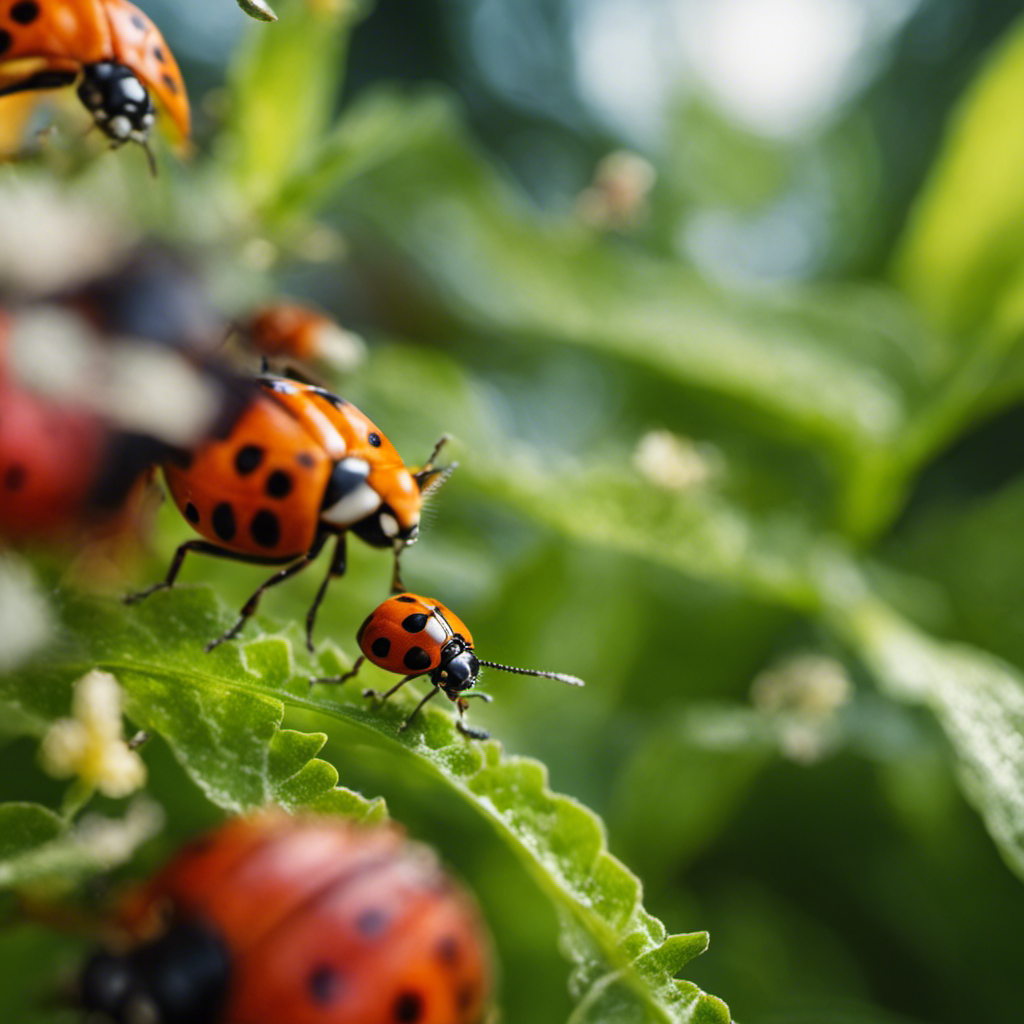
(338, 680)
(416, 710)
(250, 606)
(200, 546)
(394, 689)
(397, 586)
(339, 562)
(471, 731)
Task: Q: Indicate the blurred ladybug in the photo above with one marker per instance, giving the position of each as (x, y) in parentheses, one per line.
(416, 636)
(300, 465)
(116, 54)
(296, 921)
(289, 331)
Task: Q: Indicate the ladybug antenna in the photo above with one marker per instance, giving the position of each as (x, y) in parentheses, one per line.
(429, 478)
(560, 677)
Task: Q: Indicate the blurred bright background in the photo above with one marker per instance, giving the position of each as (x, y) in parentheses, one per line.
(717, 402)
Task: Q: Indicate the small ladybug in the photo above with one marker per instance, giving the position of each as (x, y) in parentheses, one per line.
(291, 331)
(296, 921)
(299, 465)
(416, 636)
(116, 54)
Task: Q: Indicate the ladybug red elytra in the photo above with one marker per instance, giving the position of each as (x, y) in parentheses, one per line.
(299, 465)
(417, 636)
(296, 921)
(115, 52)
(291, 331)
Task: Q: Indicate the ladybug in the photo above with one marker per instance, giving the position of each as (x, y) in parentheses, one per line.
(296, 921)
(114, 52)
(292, 331)
(417, 636)
(299, 465)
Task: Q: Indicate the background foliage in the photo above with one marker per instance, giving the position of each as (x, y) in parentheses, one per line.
(826, 315)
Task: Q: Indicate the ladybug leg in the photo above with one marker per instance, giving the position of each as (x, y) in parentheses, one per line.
(397, 586)
(201, 546)
(250, 606)
(338, 680)
(416, 710)
(470, 731)
(394, 689)
(339, 562)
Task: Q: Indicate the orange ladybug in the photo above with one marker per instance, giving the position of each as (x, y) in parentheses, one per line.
(114, 52)
(299, 465)
(416, 636)
(296, 921)
(292, 331)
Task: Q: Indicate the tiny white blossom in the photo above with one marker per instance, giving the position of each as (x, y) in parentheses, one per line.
(91, 744)
(617, 197)
(812, 685)
(672, 462)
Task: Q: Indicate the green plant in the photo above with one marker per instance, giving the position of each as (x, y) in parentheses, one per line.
(551, 349)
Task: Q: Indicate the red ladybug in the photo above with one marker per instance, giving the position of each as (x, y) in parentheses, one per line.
(416, 636)
(296, 921)
(290, 331)
(299, 466)
(116, 54)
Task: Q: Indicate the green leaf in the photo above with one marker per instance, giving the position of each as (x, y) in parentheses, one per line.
(978, 700)
(843, 366)
(284, 85)
(228, 738)
(223, 722)
(961, 253)
(38, 845)
(22, 828)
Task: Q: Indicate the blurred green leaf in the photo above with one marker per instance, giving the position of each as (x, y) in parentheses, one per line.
(843, 366)
(222, 721)
(960, 258)
(284, 84)
(978, 700)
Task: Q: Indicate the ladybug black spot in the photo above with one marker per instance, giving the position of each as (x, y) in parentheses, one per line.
(5, 40)
(416, 659)
(139, 22)
(15, 477)
(408, 1008)
(374, 440)
(466, 995)
(414, 623)
(381, 647)
(370, 923)
(159, 54)
(224, 521)
(25, 12)
(191, 513)
(265, 529)
(172, 86)
(406, 599)
(324, 985)
(279, 484)
(305, 459)
(447, 950)
(248, 459)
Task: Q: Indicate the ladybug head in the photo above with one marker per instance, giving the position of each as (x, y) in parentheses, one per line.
(458, 669)
(383, 530)
(118, 101)
(178, 978)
